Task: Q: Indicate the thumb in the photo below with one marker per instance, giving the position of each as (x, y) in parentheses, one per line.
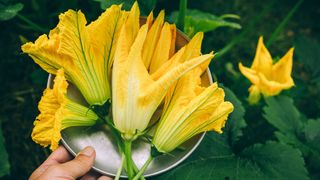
(81, 164)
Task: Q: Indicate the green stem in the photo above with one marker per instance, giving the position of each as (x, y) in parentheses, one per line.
(32, 24)
(182, 14)
(283, 23)
(129, 161)
(238, 38)
(144, 168)
(120, 168)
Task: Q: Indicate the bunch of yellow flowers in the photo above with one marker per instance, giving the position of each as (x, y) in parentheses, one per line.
(137, 69)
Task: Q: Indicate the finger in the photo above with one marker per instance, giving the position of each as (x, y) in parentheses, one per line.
(104, 178)
(81, 164)
(58, 156)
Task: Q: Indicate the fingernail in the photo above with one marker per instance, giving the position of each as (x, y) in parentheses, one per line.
(88, 151)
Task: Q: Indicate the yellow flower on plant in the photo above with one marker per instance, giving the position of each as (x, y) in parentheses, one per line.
(85, 52)
(189, 108)
(58, 112)
(135, 93)
(267, 78)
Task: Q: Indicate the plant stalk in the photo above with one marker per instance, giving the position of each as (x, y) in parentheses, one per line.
(239, 37)
(144, 168)
(182, 14)
(284, 22)
(128, 158)
(120, 168)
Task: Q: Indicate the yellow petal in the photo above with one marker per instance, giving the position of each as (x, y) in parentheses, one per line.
(219, 117)
(173, 39)
(193, 49)
(150, 20)
(281, 71)
(162, 50)
(44, 53)
(272, 88)
(262, 61)
(133, 24)
(152, 39)
(47, 128)
(172, 62)
(104, 36)
(249, 74)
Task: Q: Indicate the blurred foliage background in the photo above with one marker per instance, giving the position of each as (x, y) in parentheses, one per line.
(283, 23)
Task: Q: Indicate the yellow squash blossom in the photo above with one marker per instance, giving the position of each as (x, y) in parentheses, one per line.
(135, 93)
(58, 112)
(85, 52)
(268, 78)
(189, 108)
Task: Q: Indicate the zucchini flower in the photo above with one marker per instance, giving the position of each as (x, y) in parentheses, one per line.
(267, 78)
(58, 112)
(85, 52)
(135, 93)
(190, 109)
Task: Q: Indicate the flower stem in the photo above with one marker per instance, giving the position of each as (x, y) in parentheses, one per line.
(128, 156)
(120, 168)
(182, 14)
(284, 22)
(143, 169)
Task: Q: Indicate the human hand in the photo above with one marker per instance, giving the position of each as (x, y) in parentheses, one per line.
(61, 166)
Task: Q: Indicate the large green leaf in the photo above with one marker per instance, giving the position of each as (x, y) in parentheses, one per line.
(10, 11)
(145, 6)
(294, 130)
(4, 162)
(196, 21)
(269, 161)
(215, 157)
(282, 114)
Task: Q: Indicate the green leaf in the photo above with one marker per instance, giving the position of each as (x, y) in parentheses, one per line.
(282, 114)
(235, 122)
(308, 53)
(277, 161)
(269, 161)
(293, 129)
(196, 21)
(9, 12)
(312, 133)
(4, 161)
